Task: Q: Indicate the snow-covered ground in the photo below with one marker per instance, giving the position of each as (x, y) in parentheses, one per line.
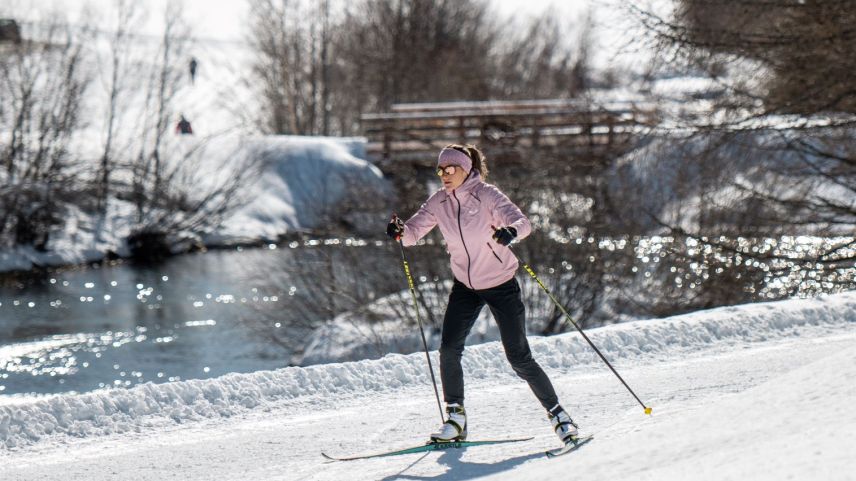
(302, 183)
(762, 391)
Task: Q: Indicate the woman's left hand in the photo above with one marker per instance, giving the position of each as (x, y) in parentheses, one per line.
(504, 235)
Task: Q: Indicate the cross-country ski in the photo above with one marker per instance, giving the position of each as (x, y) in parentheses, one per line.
(431, 446)
(569, 447)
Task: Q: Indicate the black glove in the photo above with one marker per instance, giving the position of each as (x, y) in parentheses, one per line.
(504, 235)
(395, 228)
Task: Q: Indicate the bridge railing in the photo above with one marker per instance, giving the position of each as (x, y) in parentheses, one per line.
(410, 132)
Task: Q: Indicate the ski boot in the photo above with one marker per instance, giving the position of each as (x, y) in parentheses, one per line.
(455, 427)
(563, 425)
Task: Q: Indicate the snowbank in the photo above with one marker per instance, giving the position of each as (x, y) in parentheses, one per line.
(308, 183)
(665, 182)
(350, 336)
(83, 238)
(304, 183)
(152, 405)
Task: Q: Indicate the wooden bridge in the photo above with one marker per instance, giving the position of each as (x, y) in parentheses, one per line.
(412, 133)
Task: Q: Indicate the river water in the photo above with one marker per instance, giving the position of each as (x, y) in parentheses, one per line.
(192, 317)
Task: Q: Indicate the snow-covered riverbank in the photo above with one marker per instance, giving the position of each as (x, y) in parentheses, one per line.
(304, 182)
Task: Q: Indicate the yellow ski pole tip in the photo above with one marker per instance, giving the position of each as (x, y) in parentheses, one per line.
(648, 411)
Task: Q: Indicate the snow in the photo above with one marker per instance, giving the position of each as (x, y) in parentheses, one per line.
(350, 336)
(84, 238)
(732, 390)
(304, 183)
(796, 425)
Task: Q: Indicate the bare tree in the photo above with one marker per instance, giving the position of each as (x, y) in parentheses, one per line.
(178, 191)
(199, 186)
(540, 62)
(293, 38)
(801, 70)
(775, 156)
(166, 82)
(42, 82)
(372, 54)
(800, 49)
(118, 69)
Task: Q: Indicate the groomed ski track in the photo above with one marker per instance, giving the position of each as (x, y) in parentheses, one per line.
(734, 391)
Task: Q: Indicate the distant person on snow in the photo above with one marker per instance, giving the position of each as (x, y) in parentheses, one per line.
(466, 210)
(193, 65)
(183, 127)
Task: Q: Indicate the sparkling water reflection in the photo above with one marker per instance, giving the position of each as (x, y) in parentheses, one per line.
(195, 316)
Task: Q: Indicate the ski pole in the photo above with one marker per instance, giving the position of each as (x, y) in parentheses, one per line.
(421, 330)
(565, 312)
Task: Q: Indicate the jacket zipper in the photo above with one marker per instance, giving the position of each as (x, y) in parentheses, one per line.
(461, 231)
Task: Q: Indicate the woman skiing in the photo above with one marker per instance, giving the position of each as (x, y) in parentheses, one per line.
(468, 212)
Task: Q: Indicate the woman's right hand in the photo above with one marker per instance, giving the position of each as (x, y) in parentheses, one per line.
(395, 228)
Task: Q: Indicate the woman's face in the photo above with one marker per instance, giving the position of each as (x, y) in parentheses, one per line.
(452, 176)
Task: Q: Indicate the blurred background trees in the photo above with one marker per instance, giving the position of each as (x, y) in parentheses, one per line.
(320, 65)
(769, 158)
(63, 159)
(784, 109)
(42, 85)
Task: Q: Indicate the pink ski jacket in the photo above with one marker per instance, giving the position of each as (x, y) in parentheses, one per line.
(465, 218)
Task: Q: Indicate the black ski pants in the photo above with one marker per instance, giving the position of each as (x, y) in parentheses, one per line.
(507, 307)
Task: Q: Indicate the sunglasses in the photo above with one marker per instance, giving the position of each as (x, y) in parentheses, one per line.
(447, 170)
